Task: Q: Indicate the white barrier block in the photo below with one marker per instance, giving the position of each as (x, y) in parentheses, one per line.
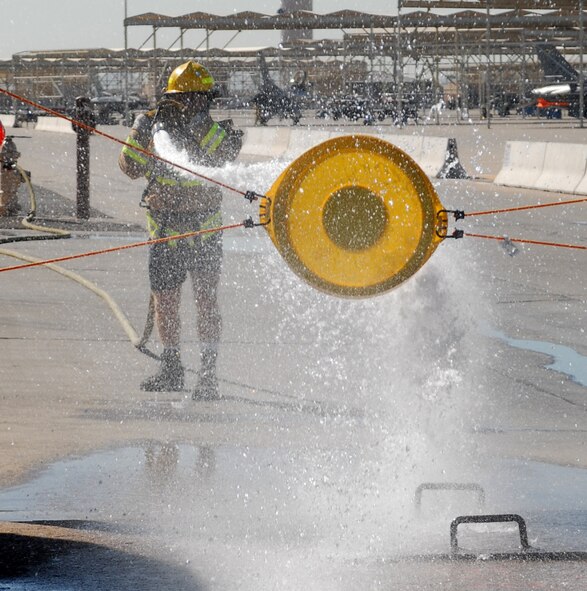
(332, 134)
(433, 155)
(54, 124)
(410, 144)
(429, 153)
(270, 142)
(301, 140)
(564, 167)
(522, 164)
(581, 188)
(7, 120)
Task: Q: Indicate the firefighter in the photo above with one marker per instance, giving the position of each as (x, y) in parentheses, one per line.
(177, 203)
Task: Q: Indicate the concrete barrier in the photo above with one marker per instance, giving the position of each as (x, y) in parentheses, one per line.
(522, 164)
(564, 167)
(7, 120)
(301, 140)
(581, 188)
(54, 124)
(435, 155)
(547, 166)
(265, 142)
(410, 144)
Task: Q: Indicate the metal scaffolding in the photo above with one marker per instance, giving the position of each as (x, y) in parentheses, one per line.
(475, 50)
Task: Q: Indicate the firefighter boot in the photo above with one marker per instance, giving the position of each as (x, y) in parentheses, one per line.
(169, 378)
(207, 386)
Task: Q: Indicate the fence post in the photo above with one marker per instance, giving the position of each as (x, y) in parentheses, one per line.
(83, 114)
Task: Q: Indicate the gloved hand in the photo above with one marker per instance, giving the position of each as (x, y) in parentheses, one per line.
(170, 117)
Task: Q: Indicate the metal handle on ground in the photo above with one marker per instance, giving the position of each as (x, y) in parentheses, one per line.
(511, 517)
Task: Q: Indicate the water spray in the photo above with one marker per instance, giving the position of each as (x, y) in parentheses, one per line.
(354, 216)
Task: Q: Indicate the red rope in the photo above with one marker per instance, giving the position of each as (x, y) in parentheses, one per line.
(228, 187)
(117, 248)
(525, 207)
(523, 241)
(115, 139)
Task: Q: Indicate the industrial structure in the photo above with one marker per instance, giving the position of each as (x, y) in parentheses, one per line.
(289, 36)
(476, 52)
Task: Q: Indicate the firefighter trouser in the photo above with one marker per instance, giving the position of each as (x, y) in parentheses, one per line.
(170, 261)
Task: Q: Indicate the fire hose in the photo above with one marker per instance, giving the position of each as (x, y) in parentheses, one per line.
(27, 222)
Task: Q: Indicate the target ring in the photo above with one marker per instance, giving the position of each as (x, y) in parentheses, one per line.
(354, 216)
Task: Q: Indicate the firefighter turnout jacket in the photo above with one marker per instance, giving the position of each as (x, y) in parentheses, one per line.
(169, 189)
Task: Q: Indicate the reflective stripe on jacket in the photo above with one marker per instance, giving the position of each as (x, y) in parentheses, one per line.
(138, 157)
(213, 139)
(169, 190)
(172, 182)
(210, 143)
(141, 159)
(156, 231)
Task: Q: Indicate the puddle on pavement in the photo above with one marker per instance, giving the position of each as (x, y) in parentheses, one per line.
(564, 359)
(223, 488)
(272, 516)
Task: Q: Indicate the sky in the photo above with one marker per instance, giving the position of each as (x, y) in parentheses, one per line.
(31, 25)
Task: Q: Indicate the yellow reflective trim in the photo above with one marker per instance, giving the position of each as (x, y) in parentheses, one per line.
(211, 221)
(217, 142)
(155, 231)
(165, 181)
(190, 183)
(134, 155)
(209, 136)
(172, 243)
(152, 226)
(130, 140)
(213, 138)
(214, 220)
(128, 151)
(174, 182)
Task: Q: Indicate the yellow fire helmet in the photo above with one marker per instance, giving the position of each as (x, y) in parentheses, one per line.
(354, 216)
(190, 77)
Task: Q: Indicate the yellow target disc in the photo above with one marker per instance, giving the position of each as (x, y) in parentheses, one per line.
(354, 216)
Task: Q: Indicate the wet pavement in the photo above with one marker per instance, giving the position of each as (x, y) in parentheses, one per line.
(333, 411)
(236, 515)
